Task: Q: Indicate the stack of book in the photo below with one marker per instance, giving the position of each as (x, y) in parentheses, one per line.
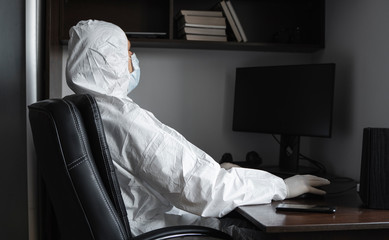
(235, 30)
(201, 25)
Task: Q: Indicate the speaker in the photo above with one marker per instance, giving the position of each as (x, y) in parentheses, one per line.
(374, 178)
(253, 158)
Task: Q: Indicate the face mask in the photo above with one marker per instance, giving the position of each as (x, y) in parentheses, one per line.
(135, 75)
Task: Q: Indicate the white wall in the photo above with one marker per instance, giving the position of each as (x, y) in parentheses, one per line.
(192, 91)
(356, 38)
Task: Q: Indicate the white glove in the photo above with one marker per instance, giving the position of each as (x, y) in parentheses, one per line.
(228, 165)
(300, 184)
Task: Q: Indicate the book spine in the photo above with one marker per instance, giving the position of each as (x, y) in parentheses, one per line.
(236, 20)
(231, 24)
(205, 38)
(200, 13)
(215, 21)
(202, 31)
(205, 22)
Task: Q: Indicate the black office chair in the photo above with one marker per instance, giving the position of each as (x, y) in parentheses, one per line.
(80, 191)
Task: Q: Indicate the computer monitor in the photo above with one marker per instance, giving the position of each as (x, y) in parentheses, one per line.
(290, 101)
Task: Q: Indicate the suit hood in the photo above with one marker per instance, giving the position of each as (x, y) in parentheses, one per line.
(98, 59)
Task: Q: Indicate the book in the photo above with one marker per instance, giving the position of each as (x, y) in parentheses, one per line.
(201, 25)
(200, 13)
(201, 21)
(202, 31)
(236, 20)
(195, 37)
(231, 23)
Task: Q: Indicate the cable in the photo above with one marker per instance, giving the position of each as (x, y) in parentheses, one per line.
(316, 163)
(321, 168)
(341, 179)
(329, 193)
(275, 138)
(350, 183)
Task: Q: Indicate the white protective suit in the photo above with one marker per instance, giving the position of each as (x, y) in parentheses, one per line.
(165, 180)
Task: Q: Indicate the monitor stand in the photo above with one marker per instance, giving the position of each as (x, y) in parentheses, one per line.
(289, 159)
(289, 153)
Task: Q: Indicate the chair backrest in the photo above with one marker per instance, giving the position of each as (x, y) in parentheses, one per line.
(77, 170)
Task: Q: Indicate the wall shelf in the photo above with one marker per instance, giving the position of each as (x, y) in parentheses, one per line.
(261, 20)
(248, 46)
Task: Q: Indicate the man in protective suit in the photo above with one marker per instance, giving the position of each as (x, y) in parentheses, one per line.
(165, 180)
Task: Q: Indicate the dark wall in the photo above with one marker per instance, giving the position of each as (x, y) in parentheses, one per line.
(13, 165)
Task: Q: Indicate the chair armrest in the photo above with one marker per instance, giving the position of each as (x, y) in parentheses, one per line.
(183, 231)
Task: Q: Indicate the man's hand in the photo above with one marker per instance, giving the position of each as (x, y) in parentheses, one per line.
(300, 184)
(228, 165)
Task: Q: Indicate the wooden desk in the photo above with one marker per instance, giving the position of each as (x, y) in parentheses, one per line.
(350, 221)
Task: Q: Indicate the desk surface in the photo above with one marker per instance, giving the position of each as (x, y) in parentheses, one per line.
(350, 215)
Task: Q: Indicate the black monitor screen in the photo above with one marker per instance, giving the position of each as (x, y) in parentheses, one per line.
(288, 100)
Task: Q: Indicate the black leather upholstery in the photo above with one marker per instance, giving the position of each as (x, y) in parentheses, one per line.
(81, 205)
(79, 178)
(95, 130)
